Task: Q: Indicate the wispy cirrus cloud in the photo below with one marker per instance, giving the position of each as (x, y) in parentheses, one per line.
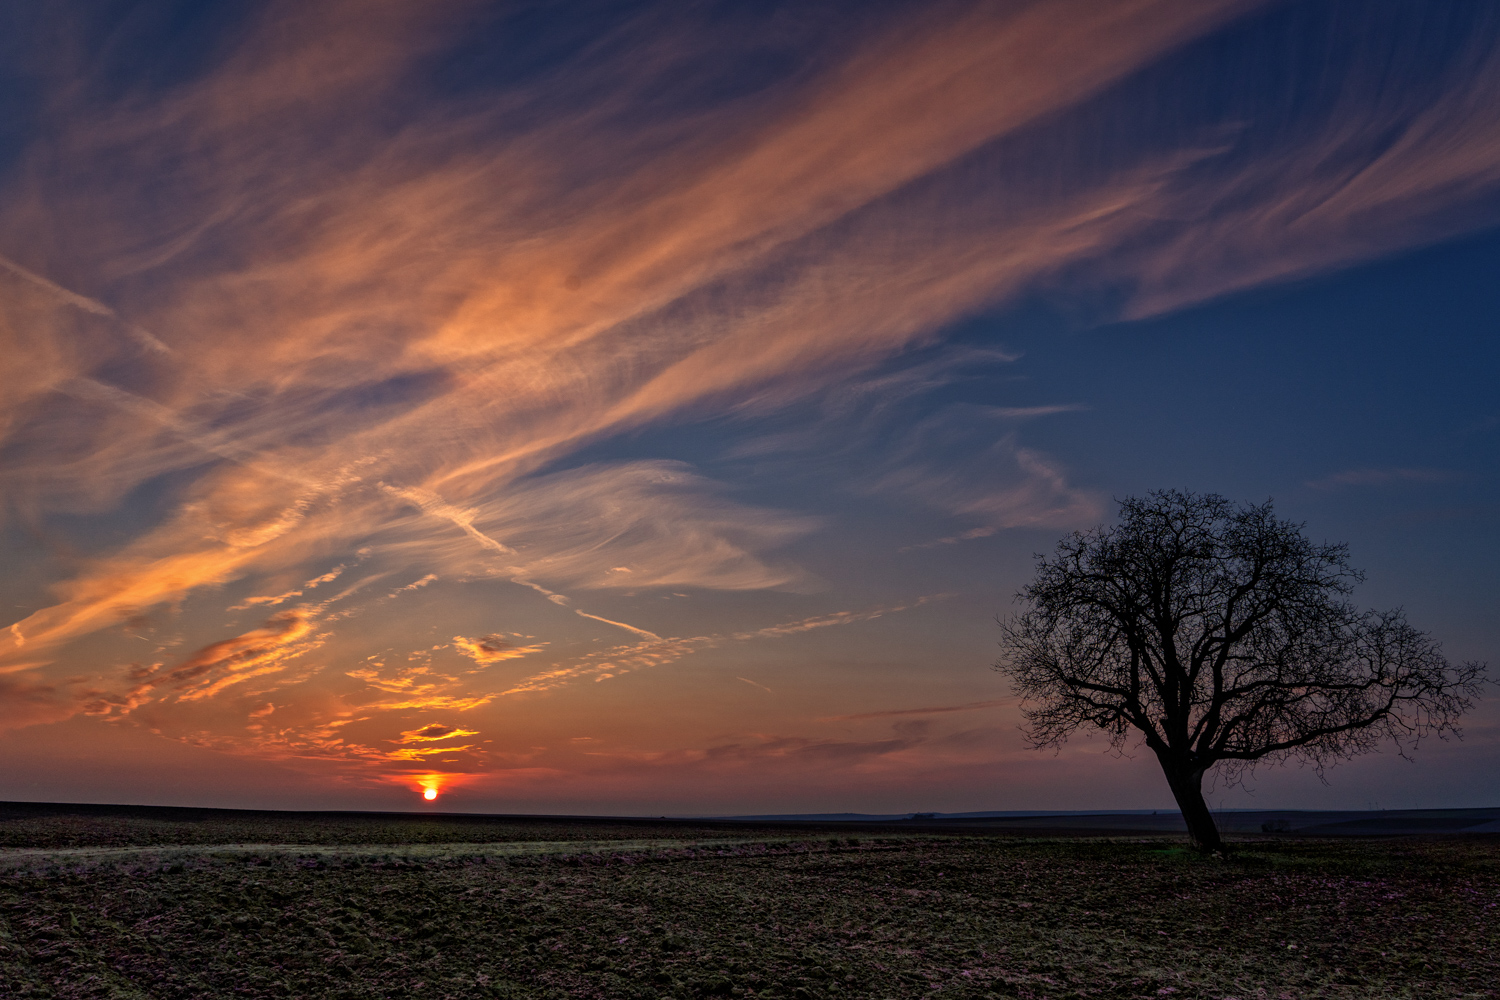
(967, 461)
(658, 651)
(833, 619)
(1032, 412)
(894, 713)
(274, 599)
(1381, 477)
(416, 584)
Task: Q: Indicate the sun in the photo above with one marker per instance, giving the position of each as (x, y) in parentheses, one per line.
(429, 786)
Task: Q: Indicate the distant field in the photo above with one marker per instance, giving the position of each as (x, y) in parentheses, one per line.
(43, 825)
(128, 905)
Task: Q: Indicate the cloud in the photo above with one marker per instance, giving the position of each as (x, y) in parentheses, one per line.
(1032, 412)
(957, 460)
(490, 649)
(614, 662)
(328, 577)
(271, 600)
(765, 752)
(963, 536)
(422, 753)
(657, 651)
(829, 620)
(266, 650)
(228, 526)
(622, 625)
(668, 525)
(434, 731)
(1381, 164)
(940, 710)
(1381, 477)
(1044, 498)
(416, 584)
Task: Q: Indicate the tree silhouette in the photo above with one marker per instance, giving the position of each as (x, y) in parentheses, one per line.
(1221, 636)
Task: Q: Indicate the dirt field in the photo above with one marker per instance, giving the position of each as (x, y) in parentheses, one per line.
(95, 907)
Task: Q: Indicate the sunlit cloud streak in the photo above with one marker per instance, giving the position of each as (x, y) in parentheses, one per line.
(656, 651)
(489, 649)
(829, 620)
(322, 307)
(435, 731)
(284, 637)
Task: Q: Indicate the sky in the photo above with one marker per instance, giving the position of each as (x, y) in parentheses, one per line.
(648, 408)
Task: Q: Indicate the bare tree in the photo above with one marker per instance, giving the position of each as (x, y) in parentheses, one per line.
(1220, 636)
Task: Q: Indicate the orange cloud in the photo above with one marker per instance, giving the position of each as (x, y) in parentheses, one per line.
(417, 584)
(491, 648)
(284, 637)
(422, 753)
(434, 731)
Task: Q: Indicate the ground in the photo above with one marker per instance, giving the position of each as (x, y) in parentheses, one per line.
(107, 908)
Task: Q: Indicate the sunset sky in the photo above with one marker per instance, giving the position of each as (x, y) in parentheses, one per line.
(632, 408)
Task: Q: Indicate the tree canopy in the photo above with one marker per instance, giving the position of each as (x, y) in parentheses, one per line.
(1220, 636)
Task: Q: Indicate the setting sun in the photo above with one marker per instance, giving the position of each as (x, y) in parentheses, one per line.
(429, 794)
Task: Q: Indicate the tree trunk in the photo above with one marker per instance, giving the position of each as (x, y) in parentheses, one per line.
(1187, 788)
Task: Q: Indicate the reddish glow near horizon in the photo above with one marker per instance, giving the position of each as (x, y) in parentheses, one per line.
(429, 794)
